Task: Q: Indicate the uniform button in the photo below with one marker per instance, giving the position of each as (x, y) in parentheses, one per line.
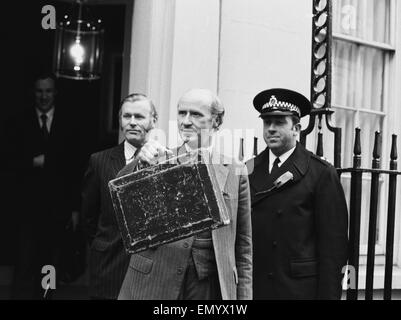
(186, 245)
(279, 212)
(274, 244)
(270, 275)
(180, 270)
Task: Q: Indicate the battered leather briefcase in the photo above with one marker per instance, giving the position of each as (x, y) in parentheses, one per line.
(166, 202)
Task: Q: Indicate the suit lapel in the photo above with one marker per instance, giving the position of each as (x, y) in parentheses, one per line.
(34, 121)
(260, 173)
(117, 159)
(221, 174)
(53, 124)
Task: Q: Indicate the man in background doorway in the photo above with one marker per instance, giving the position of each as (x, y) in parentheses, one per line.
(48, 195)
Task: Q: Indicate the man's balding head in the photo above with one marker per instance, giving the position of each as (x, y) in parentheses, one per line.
(207, 98)
(200, 114)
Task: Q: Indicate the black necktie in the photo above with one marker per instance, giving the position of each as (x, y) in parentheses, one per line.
(275, 166)
(45, 132)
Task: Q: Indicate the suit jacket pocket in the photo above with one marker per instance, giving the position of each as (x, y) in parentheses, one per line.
(141, 263)
(304, 268)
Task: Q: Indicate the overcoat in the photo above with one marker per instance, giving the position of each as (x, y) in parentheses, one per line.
(299, 228)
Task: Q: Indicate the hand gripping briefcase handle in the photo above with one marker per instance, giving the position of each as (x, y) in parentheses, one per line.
(172, 200)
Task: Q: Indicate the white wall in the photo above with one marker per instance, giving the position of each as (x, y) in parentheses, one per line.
(151, 53)
(195, 52)
(264, 44)
(234, 47)
(174, 48)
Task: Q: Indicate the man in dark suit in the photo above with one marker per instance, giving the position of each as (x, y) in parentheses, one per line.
(108, 261)
(299, 213)
(46, 166)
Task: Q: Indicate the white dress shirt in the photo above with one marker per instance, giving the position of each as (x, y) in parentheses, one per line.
(49, 115)
(129, 152)
(283, 158)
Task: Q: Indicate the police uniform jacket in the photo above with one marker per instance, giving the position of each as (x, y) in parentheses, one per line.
(299, 228)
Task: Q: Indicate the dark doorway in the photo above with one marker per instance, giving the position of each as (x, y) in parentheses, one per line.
(27, 51)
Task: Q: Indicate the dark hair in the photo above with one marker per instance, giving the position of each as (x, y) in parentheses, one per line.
(45, 75)
(133, 97)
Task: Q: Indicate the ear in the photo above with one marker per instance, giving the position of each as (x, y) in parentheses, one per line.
(153, 123)
(297, 128)
(215, 123)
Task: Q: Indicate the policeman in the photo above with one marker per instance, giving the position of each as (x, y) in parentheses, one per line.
(299, 212)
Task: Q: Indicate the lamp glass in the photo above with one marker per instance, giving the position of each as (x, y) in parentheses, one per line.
(78, 50)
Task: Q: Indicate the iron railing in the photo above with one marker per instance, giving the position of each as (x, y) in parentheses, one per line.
(355, 214)
(321, 113)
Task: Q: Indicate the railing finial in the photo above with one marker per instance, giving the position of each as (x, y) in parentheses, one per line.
(393, 153)
(357, 148)
(377, 150)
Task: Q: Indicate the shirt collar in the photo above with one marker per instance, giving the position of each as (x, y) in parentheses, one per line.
(129, 151)
(49, 113)
(282, 158)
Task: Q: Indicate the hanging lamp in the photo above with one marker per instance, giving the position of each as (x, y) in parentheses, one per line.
(78, 51)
